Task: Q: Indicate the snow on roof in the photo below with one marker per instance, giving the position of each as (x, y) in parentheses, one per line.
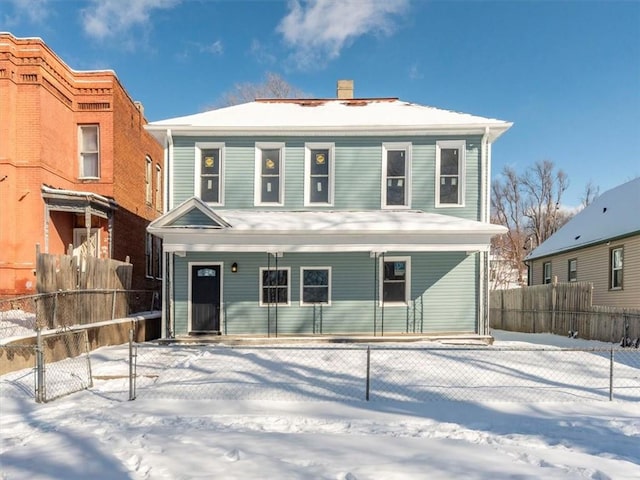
(612, 214)
(292, 114)
(353, 221)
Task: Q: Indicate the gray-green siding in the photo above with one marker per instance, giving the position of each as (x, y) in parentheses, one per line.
(358, 170)
(443, 295)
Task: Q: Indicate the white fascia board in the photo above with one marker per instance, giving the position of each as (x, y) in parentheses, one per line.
(334, 248)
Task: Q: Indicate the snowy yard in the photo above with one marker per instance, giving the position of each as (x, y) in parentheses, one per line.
(174, 430)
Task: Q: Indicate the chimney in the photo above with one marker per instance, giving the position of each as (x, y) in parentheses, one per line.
(345, 89)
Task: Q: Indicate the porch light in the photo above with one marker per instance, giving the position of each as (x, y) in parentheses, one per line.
(234, 267)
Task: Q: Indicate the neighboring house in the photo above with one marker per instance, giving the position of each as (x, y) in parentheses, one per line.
(601, 245)
(327, 216)
(76, 167)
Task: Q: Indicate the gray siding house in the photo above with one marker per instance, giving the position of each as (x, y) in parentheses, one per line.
(601, 245)
(328, 217)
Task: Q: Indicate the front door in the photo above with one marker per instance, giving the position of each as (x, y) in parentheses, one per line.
(205, 298)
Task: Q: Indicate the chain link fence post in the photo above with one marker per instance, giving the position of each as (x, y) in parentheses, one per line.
(40, 385)
(132, 356)
(368, 372)
(611, 376)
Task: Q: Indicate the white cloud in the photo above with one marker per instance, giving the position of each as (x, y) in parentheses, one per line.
(107, 18)
(415, 72)
(34, 11)
(214, 48)
(318, 30)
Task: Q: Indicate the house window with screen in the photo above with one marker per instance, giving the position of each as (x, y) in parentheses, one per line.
(89, 148)
(274, 286)
(315, 285)
(210, 170)
(396, 167)
(269, 174)
(395, 275)
(318, 174)
(450, 166)
(616, 268)
(573, 270)
(546, 272)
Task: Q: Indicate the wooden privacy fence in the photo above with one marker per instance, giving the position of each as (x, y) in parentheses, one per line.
(561, 308)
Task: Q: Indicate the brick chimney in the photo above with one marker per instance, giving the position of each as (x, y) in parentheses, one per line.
(345, 89)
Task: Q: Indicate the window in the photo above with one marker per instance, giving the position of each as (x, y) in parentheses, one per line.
(147, 180)
(315, 285)
(616, 268)
(153, 256)
(274, 286)
(573, 270)
(89, 146)
(395, 280)
(209, 172)
(450, 166)
(546, 272)
(318, 185)
(396, 167)
(269, 185)
(158, 192)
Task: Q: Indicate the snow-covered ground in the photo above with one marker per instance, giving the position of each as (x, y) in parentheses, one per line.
(98, 434)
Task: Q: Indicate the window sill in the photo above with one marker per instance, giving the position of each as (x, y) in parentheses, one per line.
(275, 305)
(320, 304)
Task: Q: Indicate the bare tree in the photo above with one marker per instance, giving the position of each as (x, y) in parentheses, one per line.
(273, 86)
(529, 206)
(590, 193)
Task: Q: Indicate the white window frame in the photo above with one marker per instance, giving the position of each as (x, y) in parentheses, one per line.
(158, 188)
(257, 192)
(575, 262)
(311, 304)
(546, 279)
(613, 269)
(394, 146)
(307, 173)
(148, 180)
(461, 145)
(82, 152)
(264, 269)
(197, 187)
(407, 276)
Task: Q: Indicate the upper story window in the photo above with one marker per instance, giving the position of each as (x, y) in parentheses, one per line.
(396, 170)
(573, 270)
(315, 285)
(546, 272)
(209, 172)
(158, 192)
(148, 180)
(616, 268)
(274, 286)
(450, 170)
(89, 148)
(395, 280)
(269, 181)
(318, 174)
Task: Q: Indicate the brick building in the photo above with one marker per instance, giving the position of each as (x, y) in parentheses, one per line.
(76, 167)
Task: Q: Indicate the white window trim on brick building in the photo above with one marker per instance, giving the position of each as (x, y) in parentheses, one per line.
(89, 154)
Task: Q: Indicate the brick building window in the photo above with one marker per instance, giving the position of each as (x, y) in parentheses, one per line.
(153, 257)
(147, 180)
(89, 148)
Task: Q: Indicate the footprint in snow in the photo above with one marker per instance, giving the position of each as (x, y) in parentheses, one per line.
(232, 455)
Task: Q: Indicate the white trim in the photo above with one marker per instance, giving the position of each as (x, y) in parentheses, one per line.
(190, 284)
(329, 280)
(307, 173)
(395, 146)
(461, 145)
(81, 174)
(407, 276)
(273, 268)
(167, 194)
(257, 190)
(197, 187)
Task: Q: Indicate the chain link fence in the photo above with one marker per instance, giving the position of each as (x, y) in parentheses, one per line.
(21, 316)
(56, 365)
(376, 373)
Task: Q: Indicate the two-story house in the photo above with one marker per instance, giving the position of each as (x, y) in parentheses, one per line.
(77, 167)
(601, 245)
(327, 216)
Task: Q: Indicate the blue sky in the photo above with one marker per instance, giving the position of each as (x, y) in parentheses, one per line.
(567, 73)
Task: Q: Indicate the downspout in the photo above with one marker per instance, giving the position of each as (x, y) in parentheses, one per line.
(485, 178)
(167, 199)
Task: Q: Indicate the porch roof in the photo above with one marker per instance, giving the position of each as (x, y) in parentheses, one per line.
(318, 231)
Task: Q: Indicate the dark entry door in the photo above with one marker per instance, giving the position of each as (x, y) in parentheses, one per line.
(205, 298)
